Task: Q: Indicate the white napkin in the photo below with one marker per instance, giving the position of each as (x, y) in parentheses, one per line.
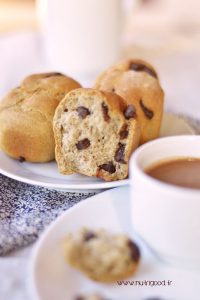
(13, 278)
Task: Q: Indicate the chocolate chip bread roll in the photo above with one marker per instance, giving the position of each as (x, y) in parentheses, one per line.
(137, 82)
(95, 134)
(101, 255)
(26, 115)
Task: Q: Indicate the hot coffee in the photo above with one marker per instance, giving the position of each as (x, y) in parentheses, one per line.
(184, 172)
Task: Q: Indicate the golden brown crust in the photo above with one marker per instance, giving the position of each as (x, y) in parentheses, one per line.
(100, 130)
(26, 115)
(137, 82)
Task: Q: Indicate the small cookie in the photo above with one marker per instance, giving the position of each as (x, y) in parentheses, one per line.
(95, 134)
(137, 82)
(102, 256)
(26, 115)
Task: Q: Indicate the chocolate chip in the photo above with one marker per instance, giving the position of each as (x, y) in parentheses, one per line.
(109, 167)
(89, 235)
(53, 74)
(22, 159)
(148, 113)
(142, 68)
(119, 155)
(135, 251)
(105, 112)
(83, 144)
(123, 132)
(65, 110)
(113, 90)
(130, 112)
(83, 112)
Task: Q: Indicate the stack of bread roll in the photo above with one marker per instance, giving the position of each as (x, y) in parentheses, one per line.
(89, 131)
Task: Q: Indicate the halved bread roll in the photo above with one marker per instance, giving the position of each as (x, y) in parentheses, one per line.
(95, 134)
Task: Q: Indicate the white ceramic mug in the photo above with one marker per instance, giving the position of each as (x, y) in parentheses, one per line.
(81, 37)
(167, 217)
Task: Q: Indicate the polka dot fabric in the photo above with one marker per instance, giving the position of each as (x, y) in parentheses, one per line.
(25, 210)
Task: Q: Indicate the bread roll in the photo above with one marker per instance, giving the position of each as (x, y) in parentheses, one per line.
(95, 134)
(26, 114)
(137, 82)
(101, 255)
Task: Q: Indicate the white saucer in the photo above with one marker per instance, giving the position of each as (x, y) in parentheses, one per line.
(51, 278)
(47, 175)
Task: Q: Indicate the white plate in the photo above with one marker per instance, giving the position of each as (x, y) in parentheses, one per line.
(47, 175)
(51, 278)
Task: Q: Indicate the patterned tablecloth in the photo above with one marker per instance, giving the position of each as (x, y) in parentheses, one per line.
(25, 210)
